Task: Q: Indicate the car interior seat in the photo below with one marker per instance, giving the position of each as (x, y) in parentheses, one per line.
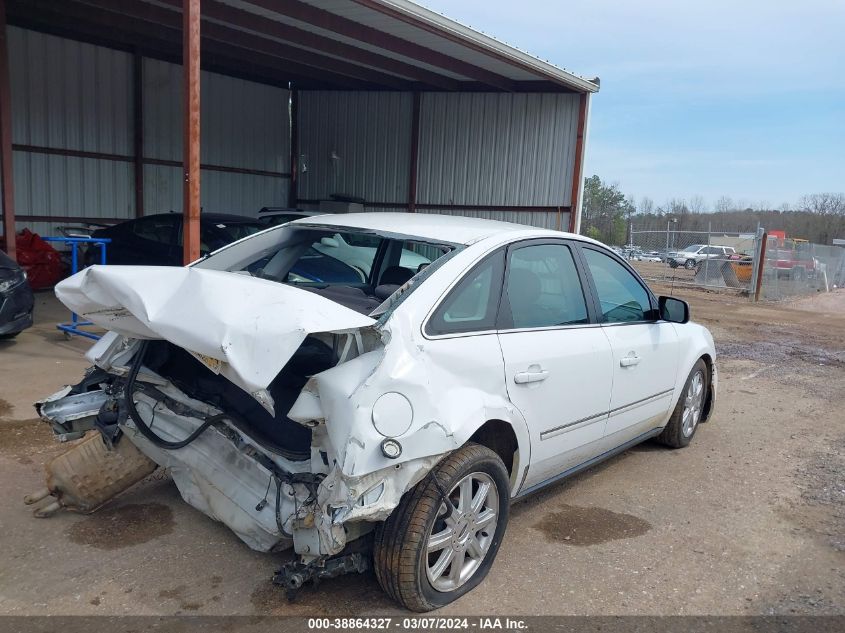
(391, 279)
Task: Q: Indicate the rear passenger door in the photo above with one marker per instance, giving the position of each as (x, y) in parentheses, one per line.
(558, 363)
(645, 349)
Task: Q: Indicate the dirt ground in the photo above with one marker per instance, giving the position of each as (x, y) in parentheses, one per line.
(750, 519)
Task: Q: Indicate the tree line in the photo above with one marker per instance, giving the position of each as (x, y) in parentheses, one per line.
(608, 214)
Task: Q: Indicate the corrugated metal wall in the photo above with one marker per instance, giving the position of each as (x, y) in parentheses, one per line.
(355, 143)
(77, 97)
(244, 125)
(71, 96)
(474, 149)
(555, 220)
(496, 149)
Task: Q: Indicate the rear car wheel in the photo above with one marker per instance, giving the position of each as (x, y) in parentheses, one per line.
(441, 540)
(687, 414)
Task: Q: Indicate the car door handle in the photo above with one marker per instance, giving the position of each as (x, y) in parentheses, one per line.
(523, 377)
(630, 360)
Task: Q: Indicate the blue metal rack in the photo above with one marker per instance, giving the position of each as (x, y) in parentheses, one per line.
(75, 324)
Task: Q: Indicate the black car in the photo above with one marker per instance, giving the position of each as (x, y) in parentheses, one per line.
(16, 300)
(156, 240)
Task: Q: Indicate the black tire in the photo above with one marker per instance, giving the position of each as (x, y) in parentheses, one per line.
(676, 434)
(673, 263)
(689, 264)
(400, 555)
(9, 336)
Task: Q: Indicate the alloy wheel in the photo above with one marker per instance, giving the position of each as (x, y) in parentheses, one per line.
(462, 532)
(693, 404)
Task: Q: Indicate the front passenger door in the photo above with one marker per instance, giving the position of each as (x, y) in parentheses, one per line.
(645, 350)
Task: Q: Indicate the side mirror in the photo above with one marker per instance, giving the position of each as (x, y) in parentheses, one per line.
(673, 310)
(329, 241)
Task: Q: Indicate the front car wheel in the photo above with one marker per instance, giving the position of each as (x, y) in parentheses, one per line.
(687, 414)
(441, 540)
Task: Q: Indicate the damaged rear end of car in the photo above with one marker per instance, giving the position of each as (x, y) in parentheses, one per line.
(251, 393)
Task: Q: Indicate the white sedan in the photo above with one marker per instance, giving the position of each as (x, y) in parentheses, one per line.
(415, 405)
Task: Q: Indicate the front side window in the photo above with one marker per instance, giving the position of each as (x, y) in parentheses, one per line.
(472, 304)
(543, 287)
(621, 296)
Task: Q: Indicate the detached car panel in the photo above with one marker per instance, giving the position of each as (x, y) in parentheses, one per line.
(409, 402)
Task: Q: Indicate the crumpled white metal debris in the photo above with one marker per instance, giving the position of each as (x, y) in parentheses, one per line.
(242, 327)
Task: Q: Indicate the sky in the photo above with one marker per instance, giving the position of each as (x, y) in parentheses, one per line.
(743, 98)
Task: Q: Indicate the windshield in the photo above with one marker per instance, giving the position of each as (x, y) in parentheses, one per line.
(214, 235)
(693, 248)
(359, 269)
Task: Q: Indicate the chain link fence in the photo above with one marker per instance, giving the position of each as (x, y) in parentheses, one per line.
(795, 268)
(724, 260)
(708, 259)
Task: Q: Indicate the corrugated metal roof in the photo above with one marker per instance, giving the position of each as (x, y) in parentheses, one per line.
(331, 44)
(413, 22)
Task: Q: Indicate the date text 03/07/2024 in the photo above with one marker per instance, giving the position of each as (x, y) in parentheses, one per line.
(418, 623)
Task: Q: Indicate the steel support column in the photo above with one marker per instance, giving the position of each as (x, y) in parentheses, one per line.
(578, 166)
(6, 181)
(191, 129)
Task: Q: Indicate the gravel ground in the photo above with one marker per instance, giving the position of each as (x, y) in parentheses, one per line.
(750, 519)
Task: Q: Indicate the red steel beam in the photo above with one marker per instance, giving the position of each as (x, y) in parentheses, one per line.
(191, 130)
(6, 180)
(578, 165)
(329, 21)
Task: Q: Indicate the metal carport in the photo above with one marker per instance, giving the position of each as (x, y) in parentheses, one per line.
(301, 99)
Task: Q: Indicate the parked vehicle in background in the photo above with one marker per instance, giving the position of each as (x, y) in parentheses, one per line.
(692, 255)
(796, 263)
(273, 216)
(651, 256)
(156, 240)
(16, 299)
(413, 405)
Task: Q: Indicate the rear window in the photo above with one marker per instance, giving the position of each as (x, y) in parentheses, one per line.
(318, 257)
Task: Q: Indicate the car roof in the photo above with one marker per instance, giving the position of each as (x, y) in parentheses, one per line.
(230, 218)
(284, 211)
(437, 228)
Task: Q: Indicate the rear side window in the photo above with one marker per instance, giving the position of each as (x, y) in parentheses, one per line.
(543, 288)
(621, 295)
(156, 228)
(472, 304)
